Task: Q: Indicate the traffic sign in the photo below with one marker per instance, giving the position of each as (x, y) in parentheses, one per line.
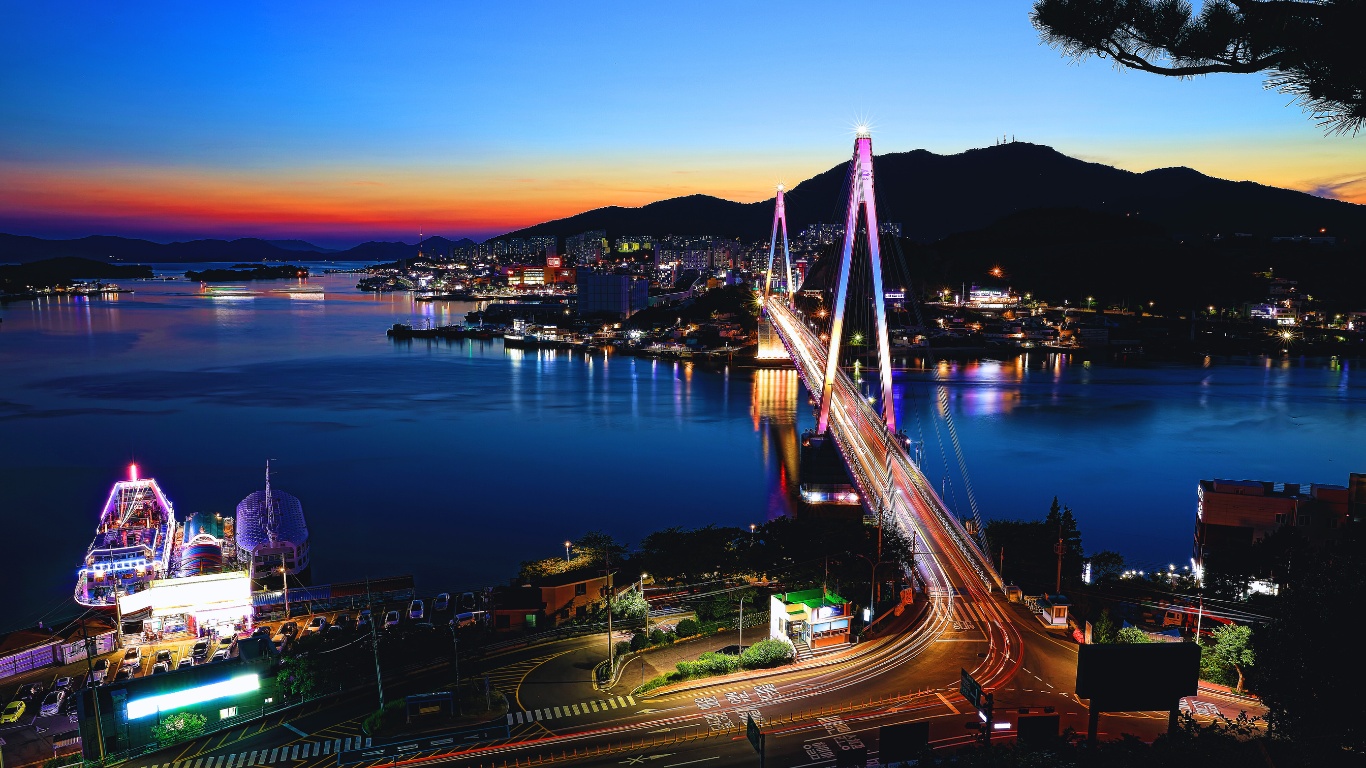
(971, 689)
(756, 737)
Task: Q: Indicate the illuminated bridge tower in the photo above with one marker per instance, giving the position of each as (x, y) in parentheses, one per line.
(770, 346)
(861, 198)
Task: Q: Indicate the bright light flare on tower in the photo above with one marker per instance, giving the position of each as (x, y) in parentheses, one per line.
(862, 131)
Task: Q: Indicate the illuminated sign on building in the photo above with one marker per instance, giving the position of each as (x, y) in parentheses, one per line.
(166, 702)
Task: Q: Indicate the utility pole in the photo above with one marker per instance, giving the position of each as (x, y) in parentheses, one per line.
(740, 644)
(607, 560)
(1057, 590)
(455, 639)
(94, 693)
(284, 578)
(374, 643)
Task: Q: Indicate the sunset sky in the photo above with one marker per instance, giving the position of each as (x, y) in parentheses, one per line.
(343, 122)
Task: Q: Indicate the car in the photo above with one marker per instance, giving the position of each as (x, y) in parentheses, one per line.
(290, 628)
(281, 642)
(62, 682)
(416, 610)
(164, 656)
(468, 601)
(53, 703)
(99, 671)
(391, 619)
(221, 654)
(363, 621)
(68, 705)
(161, 666)
(124, 674)
(261, 631)
(442, 602)
(318, 624)
(29, 692)
(467, 619)
(346, 621)
(185, 661)
(13, 711)
(200, 651)
(133, 657)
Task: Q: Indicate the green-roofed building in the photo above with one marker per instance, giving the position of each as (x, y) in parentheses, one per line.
(811, 618)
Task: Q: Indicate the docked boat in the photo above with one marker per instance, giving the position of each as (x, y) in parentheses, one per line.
(132, 545)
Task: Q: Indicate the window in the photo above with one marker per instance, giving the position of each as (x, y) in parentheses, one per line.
(581, 611)
(580, 589)
(227, 712)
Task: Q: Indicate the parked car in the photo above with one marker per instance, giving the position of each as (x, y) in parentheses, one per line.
(363, 621)
(290, 628)
(124, 674)
(347, 622)
(13, 711)
(442, 602)
(226, 643)
(133, 657)
(416, 610)
(99, 671)
(391, 619)
(161, 666)
(62, 682)
(29, 692)
(164, 656)
(261, 631)
(318, 624)
(200, 651)
(53, 703)
(185, 661)
(220, 655)
(468, 601)
(281, 642)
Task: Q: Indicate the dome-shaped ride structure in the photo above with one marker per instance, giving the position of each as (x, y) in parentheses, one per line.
(202, 545)
(272, 534)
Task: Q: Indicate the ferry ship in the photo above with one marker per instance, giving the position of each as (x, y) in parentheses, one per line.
(132, 545)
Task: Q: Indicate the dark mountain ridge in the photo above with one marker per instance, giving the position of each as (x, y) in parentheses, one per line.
(933, 196)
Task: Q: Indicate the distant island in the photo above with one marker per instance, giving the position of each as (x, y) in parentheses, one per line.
(257, 272)
(22, 279)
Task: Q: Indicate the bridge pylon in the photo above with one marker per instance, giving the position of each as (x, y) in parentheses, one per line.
(779, 222)
(863, 199)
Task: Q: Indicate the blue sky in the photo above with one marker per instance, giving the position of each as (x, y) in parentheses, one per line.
(351, 120)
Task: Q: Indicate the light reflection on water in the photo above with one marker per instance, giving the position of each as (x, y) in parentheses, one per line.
(455, 461)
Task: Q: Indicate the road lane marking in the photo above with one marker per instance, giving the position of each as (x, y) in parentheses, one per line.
(296, 730)
(947, 703)
(690, 762)
(557, 712)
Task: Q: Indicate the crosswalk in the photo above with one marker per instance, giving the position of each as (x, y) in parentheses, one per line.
(583, 708)
(288, 752)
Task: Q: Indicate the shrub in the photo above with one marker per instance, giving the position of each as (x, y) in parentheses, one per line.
(383, 719)
(765, 654)
(639, 640)
(622, 647)
(1132, 635)
(656, 636)
(670, 638)
(686, 628)
(178, 727)
(718, 663)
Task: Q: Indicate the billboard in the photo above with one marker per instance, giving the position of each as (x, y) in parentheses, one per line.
(1139, 677)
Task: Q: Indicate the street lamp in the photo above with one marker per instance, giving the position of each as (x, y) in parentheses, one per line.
(566, 551)
(643, 576)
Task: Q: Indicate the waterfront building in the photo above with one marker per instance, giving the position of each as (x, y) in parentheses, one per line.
(218, 602)
(1232, 515)
(550, 600)
(617, 294)
(272, 534)
(810, 619)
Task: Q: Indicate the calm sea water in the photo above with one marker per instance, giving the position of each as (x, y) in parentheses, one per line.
(455, 461)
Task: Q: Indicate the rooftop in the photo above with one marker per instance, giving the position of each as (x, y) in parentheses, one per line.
(812, 598)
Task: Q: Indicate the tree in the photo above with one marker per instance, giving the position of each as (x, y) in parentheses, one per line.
(1233, 646)
(1309, 48)
(1104, 629)
(630, 606)
(297, 678)
(1106, 565)
(596, 545)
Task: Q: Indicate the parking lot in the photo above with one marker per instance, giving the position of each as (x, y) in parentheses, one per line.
(29, 736)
